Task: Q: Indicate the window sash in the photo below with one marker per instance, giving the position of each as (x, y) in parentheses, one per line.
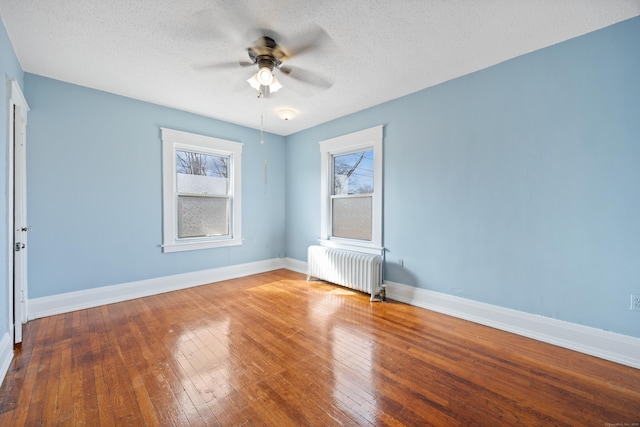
(205, 180)
(182, 226)
(347, 180)
(358, 225)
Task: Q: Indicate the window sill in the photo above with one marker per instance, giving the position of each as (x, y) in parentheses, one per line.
(352, 246)
(192, 246)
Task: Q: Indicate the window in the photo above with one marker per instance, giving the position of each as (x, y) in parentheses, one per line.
(352, 194)
(352, 191)
(201, 191)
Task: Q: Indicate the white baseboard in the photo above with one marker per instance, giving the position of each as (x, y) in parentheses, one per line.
(6, 355)
(79, 300)
(606, 345)
(295, 265)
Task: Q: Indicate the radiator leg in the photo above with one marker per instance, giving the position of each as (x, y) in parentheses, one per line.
(380, 296)
(383, 293)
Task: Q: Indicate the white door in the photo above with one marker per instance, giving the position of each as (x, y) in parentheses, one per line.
(18, 199)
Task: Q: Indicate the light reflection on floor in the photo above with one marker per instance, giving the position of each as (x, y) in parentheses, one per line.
(204, 357)
(350, 352)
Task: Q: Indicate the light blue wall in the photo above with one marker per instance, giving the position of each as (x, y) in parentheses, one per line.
(9, 69)
(518, 185)
(95, 195)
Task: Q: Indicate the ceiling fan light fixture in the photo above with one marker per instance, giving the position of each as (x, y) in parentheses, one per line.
(275, 85)
(265, 76)
(253, 81)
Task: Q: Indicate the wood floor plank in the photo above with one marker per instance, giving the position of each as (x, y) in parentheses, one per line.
(83, 361)
(45, 394)
(274, 350)
(23, 371)
(97, 337)
(169, 409)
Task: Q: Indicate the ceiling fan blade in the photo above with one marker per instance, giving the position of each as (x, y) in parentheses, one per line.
(306, 77)
(314, 38)
(220, 65)
(296, 86)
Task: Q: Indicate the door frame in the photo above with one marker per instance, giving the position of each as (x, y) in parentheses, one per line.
(17, 102)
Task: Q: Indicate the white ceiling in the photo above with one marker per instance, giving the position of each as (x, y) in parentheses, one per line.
(379, 50)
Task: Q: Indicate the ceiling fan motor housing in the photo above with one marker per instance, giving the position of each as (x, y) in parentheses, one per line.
(266, 61)
(263, 53)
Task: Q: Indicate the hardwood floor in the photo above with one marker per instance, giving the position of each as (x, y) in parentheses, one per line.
(272, 349)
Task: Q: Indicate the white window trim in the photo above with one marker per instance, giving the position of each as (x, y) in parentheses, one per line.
(357, 141)
(172, 140)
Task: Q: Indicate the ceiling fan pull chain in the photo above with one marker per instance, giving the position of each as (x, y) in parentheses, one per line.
(266, 175)
(262, 110)
(261, 129)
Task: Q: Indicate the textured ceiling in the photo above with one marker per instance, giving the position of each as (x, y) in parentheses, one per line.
(379, 50)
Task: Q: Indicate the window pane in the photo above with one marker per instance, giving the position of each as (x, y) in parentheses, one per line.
(202, 216)
(200, 173)
(353, 173)
(351, 217)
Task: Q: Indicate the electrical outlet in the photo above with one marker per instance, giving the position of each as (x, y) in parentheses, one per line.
(635, 302)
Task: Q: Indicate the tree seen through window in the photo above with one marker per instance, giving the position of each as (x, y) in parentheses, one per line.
(353, 173)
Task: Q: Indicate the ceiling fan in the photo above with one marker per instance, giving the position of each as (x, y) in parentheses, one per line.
(268, 55)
